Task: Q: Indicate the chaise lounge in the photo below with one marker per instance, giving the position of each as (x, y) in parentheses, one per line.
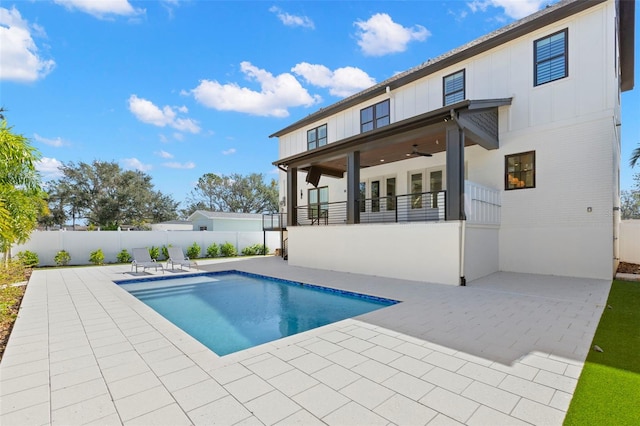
(142, 259)
(177, 257)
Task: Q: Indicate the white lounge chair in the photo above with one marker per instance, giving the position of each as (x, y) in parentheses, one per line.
(142, 259)
(177, 257)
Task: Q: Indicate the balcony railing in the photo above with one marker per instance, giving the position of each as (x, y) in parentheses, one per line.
(274, 221)
(424, 206)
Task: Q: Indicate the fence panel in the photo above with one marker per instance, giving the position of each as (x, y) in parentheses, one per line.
(80, 244)
(630, 241)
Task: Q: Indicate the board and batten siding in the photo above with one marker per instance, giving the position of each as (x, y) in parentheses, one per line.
(566, 224)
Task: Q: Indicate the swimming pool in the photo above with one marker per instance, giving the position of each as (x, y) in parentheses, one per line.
(231, 311)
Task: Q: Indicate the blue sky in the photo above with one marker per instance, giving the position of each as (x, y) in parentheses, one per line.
(178, 89)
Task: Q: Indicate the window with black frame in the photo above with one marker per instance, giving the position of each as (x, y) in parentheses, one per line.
(520, 171)
(317, 137)
(375, 116)
(550, 58)
(453, 89)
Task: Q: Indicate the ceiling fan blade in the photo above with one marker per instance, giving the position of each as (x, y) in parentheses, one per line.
(416, 152)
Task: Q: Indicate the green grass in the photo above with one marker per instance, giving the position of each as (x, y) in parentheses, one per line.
(608, 391)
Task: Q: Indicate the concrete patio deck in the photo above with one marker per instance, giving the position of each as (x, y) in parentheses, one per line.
(507, 349)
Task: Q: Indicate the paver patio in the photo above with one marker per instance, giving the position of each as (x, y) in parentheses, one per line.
(506, 349)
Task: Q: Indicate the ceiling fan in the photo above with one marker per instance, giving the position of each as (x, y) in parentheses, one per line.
(416, 152)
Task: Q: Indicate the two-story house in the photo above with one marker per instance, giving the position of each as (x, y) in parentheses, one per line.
(500, 155)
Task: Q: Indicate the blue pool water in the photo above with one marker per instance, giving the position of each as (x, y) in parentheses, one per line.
(232, 311)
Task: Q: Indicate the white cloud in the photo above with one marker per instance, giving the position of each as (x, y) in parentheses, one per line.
(341, 82)
(174, 165)
(229, 151)
(102, 8)
(49, 167)
(276, 94)
(292, 20)
(57, 142)
(380, 35)
(135, 164)
(515, 9)
(19, 56)
(147, 112)
(164, 154)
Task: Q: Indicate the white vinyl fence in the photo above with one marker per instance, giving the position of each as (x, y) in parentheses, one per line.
(80, 244)
(630, 241)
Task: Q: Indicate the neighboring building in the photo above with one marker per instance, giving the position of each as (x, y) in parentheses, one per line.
(173, 225)
(203, 220)
(501, 155)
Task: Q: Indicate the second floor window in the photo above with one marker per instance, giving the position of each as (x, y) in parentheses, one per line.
(550, 57)
(317, 137)
(375, 116)
(453, 88)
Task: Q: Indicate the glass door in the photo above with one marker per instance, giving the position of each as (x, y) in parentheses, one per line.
(416, 190)
(435, 186)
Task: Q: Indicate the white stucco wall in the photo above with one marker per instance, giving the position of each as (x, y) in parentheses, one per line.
(481, 251)
(427, 252)
(630, 241)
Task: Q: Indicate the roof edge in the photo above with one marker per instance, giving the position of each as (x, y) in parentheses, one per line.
(626, 9)
(500, 36)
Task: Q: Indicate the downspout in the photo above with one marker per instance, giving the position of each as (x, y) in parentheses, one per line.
(463, 225)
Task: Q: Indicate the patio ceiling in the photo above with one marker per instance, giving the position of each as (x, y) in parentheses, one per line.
(395, 142)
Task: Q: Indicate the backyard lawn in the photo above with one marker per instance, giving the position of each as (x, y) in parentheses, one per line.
(608, 391)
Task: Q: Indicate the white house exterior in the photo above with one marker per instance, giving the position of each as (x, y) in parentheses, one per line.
(523, 128)
(172, 225)
(204, 220)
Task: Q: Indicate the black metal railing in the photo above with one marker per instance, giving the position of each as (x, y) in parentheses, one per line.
(418, 207)
(322, 214)
(274, 221)
(285, 249)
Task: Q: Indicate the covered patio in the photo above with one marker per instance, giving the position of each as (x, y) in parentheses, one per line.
(466, 123)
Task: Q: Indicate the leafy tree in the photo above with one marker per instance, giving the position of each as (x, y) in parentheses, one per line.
(104, 195)
(233, 193)
(21, 194)
(630, 201)
(635, 157)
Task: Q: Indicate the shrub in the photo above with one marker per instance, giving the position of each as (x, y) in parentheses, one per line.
(62, 258)
(123, 256)
(193, 251)
(97, 257)
(28, 258)
(213, 250)
(255, 250)
(154, 252)
(165, 251)
(228, 250)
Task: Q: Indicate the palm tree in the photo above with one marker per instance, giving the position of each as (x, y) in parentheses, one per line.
(635, 157)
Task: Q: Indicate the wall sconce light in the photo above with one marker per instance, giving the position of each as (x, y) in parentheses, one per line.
(301, 194)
